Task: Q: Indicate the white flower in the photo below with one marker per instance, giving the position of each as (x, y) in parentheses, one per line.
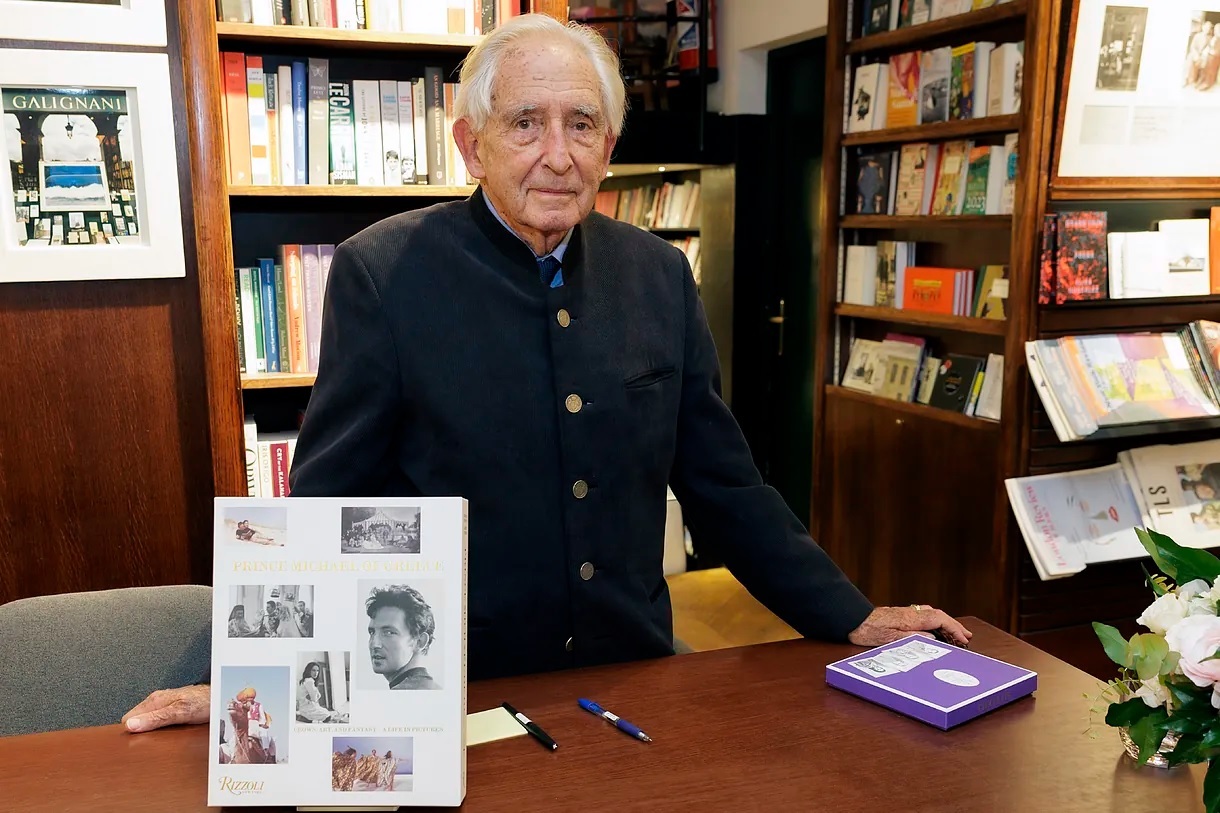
(1196, 639)
(1163, 614)
(1199, 597)
(1154, 694)
(1215, 697)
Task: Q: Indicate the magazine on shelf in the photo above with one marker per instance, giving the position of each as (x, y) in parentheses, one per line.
(338, 652)
(1073, 519)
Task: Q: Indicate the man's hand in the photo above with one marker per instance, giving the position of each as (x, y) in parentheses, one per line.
(186, 706)
(886, 624)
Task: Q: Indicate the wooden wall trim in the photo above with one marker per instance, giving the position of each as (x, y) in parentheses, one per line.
(209, 172)
(824, 335)
(1036, 148)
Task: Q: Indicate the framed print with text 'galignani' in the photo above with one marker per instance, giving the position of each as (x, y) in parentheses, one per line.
(104, 22)
(91, 188)
(338, 653)
(1142, 97)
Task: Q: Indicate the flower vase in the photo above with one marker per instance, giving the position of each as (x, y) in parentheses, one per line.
(1157, 760)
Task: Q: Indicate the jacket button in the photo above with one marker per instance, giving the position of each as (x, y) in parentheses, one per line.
(573, 403)
(580, 489)
(586, 571)
(567, 645)
(563, 318)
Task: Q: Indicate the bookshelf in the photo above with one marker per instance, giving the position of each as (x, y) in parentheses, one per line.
(904, 487)
(237, 224)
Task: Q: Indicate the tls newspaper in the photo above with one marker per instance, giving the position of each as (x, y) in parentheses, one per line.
(338, 652)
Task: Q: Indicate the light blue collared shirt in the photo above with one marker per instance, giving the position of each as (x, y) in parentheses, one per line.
(557, 252)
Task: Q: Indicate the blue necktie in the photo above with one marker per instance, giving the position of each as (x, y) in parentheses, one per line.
(550, 271)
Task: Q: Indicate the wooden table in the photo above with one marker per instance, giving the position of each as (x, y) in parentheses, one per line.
(751, 728)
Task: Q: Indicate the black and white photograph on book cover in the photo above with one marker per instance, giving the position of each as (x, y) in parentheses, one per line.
(323, 689)
(1200, 484)
(403, 625)
(372, 763)
(1122, 46)
(271, 611)
(381, 530)
(1201, 67)
(250, 526)
(72, 159)
(253, 715)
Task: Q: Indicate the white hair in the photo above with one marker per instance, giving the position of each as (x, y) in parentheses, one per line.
(483, 63)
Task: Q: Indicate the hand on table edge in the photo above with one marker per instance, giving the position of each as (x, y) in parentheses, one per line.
(188, 705)
(887, 624)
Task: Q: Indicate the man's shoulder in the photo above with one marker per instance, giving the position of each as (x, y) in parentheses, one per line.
(618, 233)
(402, 232)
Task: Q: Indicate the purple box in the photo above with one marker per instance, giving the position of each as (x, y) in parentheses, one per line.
(940, 684)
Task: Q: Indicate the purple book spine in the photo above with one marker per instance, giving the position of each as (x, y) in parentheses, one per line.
(326, 253)
(311, 266)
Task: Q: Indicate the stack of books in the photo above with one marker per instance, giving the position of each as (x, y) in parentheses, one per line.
(1089, 383)
(953, 178)
(411, 16)
(886, 275)
(279, 310)
(1075, 519)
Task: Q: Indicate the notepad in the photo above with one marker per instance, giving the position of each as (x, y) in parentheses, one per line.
(491, 725)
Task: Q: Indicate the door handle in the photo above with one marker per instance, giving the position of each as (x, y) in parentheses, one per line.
(779, 320)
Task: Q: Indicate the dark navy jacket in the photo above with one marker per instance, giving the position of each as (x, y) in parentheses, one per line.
(560, 414)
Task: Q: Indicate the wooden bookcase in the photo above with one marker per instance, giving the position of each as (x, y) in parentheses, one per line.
(906, 496)
(910, 500)
(240, 223)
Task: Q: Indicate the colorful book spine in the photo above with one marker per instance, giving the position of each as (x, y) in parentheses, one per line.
(256, 105)
(300, 129)
(281, 320)
(319, 158)
(342, 134)
(271, 333)
(312, 275)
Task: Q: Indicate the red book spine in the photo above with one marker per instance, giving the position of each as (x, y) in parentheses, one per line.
(279, 468)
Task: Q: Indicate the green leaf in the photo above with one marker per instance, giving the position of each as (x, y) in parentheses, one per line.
(1147, 734)
(1191, 697)
(1157, 583)
(1180, 564)
(1211, 788)
(1186, 751)
(1170, 663)
(1147, 652)
(1185, 725)
(1114, 643)
(1124, 715)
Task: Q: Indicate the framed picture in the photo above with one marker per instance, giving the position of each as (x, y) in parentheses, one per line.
(1141, 93)
(91, 190)
(109, 22)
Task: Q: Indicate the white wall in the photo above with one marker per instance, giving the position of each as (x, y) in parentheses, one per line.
(745, 31)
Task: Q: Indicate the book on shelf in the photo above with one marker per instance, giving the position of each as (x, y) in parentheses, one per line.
(316, 700)
(880, 16)
(279, 310)
(903, 101)
(951, 176)
(1093, 263)
(887, 275)
(324, 130)
(870, 98)
(1089, 383)
(874, 183)
(1004, 79)
(435, 17)
(667, 206)
(935, 71)
(1074, 519)
(268, 460)
(968, 83)
(902, 367)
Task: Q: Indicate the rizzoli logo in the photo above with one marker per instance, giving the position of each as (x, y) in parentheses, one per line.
(240, 787)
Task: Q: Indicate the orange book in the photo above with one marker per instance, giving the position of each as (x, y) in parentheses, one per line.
(239, 118)
(1214, 250)
(931, 290)
(294, 287)
(903, 107)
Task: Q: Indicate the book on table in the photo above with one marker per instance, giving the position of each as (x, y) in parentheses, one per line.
(338, 652)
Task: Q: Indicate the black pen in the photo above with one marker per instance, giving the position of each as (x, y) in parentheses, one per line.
(532, 727)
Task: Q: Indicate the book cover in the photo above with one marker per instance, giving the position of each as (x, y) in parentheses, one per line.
(311, 278)
(391, 134)
(935, 68)
(1186, 242)
(951, 178)
(874, 182)
(319, 109)
(955, 381)
(869, 97)
(338, 651)
(912, 172)
(903, 110)
(300, 121)
(977, 173)
(256, 108)
(865, 370)
(914, 12)
(1012, 157)
(887, 271)
(1046, 266)
(366, 109)
(935, 683)
(238, 116)
(270, 324)
(406, 132)
(1004, 79)
(961, 83)
(294, 286)
(434, 101)
(1080, 264)
(992, 292)
(241, 336)
(932, 290)
(281, 320)
(342, 134)
(877, 16)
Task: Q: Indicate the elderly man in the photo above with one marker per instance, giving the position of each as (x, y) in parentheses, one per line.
(554, 367)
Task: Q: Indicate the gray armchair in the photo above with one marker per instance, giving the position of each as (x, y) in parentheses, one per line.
(84, 659)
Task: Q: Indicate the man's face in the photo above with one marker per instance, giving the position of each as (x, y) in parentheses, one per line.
(270, 606)
(300, 606)
(391, 646)
(547, 143)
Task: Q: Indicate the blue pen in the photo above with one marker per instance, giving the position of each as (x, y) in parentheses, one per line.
(619, 722)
